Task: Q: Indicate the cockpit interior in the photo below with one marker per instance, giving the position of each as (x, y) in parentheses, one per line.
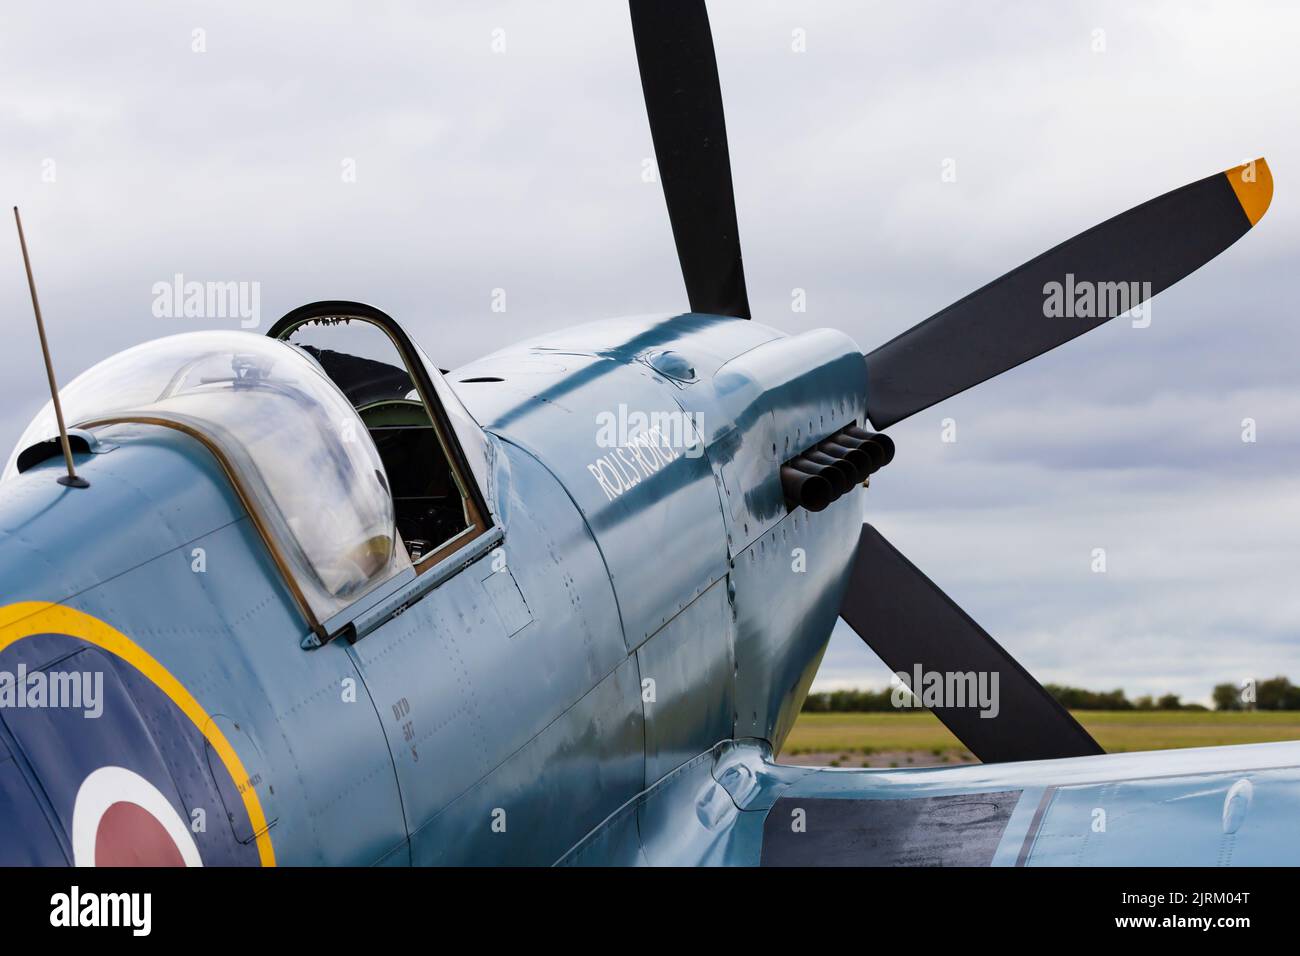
(360, 358)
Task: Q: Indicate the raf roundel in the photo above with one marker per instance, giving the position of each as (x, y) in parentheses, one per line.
(121, 819)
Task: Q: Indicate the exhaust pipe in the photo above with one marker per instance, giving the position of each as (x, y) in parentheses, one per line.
(845, 468)
(861, 460)
(871, 448)
(812, 492)
(828, 469)
(825, 472)
(881, 441)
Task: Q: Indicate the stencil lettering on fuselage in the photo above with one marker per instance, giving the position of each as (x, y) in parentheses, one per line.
(626, 466)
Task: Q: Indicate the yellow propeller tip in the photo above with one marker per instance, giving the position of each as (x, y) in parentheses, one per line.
(1253, 184)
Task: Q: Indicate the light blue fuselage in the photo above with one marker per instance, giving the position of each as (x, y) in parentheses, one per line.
(603, 678)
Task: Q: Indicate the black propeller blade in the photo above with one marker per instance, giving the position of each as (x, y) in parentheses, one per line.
(679, 76)
(1068, 290)
(908, 621)
(1008, 322)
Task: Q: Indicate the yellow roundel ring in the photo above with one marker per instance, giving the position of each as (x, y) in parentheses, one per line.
(39, 617)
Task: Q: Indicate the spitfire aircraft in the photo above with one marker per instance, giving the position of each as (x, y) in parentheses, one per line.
(305, 598)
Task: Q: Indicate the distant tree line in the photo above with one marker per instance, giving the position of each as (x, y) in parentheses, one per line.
(846, 701)
(1277, 693)
(1076, 698)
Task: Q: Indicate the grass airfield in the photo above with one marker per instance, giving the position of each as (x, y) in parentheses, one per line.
(918, 739)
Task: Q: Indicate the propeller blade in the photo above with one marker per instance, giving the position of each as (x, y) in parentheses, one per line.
(679, 77)
(910, 623)
(1123, 261)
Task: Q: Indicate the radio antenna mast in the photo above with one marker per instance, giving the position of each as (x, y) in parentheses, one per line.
(71, 479)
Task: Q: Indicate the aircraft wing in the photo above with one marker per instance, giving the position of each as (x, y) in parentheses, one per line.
(1218, 806)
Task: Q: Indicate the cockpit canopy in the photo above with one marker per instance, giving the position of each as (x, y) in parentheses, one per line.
(297, 450)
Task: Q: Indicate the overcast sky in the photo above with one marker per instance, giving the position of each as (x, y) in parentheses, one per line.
(135, 157)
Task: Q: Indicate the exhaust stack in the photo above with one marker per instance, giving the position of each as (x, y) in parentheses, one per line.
(808, 491)
(839, 481)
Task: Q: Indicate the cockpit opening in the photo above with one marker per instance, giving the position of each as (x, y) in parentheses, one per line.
(359, 354)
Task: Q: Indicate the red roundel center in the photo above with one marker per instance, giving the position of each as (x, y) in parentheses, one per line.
(129, 835)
